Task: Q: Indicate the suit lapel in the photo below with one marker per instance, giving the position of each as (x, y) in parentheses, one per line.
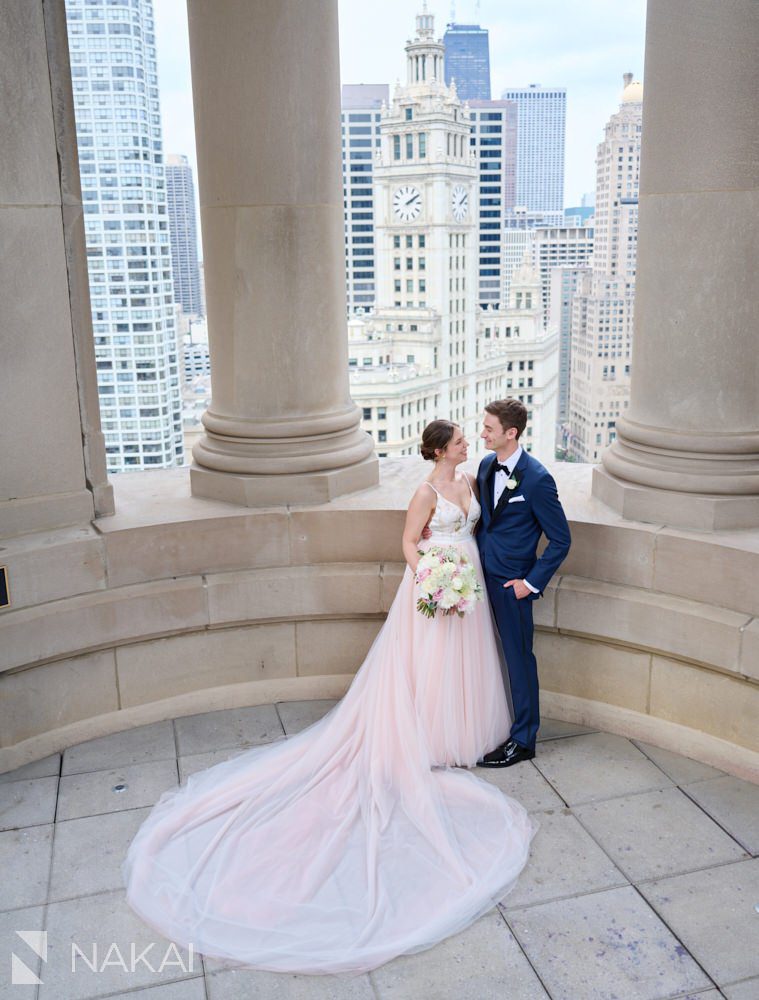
(486, 486)
(519, 473)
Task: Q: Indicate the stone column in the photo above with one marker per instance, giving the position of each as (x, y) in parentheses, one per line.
(687, 451)
(52, 458)
(281, 427)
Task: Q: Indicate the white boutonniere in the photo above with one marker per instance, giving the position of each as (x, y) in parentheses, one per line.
(511, 484)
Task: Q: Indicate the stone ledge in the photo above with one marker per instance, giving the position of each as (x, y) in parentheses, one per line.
(158, 603)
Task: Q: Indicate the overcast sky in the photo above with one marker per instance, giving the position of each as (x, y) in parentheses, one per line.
(583, 45)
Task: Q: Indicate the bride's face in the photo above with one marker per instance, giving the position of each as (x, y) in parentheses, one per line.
(456, 449)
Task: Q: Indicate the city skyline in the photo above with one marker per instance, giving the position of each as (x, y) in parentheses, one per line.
(584, 48)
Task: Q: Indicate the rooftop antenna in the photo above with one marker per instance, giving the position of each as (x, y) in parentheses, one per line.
(453, 11)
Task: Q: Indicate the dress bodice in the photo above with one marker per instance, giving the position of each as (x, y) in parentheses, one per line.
(449, 523)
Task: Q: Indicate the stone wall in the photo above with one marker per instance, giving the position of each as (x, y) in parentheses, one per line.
(178, 605)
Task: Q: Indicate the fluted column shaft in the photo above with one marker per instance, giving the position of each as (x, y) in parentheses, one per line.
(687, 452)
(281, 426)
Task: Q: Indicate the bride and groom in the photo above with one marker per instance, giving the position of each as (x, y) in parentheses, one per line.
(366, 836)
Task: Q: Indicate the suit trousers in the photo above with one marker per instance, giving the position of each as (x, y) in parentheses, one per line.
(515, 627)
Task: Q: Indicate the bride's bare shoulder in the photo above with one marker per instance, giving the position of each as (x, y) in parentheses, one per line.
(425, 492)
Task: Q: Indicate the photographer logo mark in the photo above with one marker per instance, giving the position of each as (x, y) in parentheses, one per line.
(21, 974)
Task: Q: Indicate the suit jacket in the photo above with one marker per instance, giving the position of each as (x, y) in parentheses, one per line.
(508, 536)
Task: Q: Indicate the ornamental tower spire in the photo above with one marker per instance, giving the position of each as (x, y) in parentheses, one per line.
(424, 55)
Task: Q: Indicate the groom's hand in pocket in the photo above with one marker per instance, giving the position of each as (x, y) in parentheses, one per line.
(520, 588)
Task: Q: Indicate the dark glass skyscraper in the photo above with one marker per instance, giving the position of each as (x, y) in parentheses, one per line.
(467, 60)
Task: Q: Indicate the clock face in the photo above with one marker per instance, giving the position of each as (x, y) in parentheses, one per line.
(407, 203)
(459, 202)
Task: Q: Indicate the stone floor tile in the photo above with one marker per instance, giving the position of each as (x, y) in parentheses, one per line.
(554, 729)
(36, 769)
(105, 921)
(524, 783)
(195, 762)
(27, 919)
(297, 715)
(712, 912)
(747, 990)
(483, 962)
(232, 727)
(658, 833)
(184, 989)
(25, 866)
(28, 803)
(564, 861)
(103, 840)
(605, 945)
(597, 766)
(734, 804)
(93, 792)
(682, 770)
(247, 984)
(133, 746)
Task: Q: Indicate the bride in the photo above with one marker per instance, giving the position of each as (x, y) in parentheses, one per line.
(362, 837)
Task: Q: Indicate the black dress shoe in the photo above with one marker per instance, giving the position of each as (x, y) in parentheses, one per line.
(505, 755)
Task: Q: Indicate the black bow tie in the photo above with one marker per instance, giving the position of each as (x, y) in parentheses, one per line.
(501, 468)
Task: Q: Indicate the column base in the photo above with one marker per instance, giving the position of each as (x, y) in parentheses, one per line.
(289, 488)
(678, 510)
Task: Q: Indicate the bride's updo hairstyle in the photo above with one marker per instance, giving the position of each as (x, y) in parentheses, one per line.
(436, 437)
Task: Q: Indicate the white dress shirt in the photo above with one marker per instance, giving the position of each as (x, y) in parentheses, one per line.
(499, 485)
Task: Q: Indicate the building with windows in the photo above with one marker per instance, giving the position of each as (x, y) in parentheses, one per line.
(118, 125)
(565, 282)
(559, 246)
(428, 349)
(541, 126)
(361, 107)
(602, 308)
(493, 140)
(183, 234)
(467, 61)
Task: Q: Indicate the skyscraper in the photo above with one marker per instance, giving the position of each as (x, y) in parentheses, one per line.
(361, 106)
(602, 307)
(493, 140)
(118, 123)
(183, 231)
(467, 61)
(541, 123)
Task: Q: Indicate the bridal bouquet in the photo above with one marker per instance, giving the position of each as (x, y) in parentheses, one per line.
(447, 581)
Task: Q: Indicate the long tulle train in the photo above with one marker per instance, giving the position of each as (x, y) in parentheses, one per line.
(355, 840)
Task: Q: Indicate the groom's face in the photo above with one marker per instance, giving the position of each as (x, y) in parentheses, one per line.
(493, 434)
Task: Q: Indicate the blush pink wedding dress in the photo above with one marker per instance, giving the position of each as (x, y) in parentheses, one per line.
(362, 837)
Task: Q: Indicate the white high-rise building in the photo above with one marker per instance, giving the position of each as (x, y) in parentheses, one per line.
(361, 108)
(427, 350)
(118, 123)
(559, 246)
(541, 125)
(183, 232)
(602, 310)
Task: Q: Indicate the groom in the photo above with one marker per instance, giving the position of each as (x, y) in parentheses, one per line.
(519, 503)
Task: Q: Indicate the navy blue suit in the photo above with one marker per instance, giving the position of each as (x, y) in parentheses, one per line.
(508, 539)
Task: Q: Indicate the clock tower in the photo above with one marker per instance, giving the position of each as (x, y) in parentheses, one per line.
(425, 205)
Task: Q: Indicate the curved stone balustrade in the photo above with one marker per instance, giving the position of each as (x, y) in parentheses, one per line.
(179, 604)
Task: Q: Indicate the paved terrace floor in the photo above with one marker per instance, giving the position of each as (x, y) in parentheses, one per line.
(643, 881)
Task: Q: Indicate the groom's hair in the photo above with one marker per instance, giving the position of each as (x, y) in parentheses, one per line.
(510, 412)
